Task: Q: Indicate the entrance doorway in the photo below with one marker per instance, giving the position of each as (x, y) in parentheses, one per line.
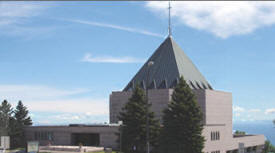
(86, 139)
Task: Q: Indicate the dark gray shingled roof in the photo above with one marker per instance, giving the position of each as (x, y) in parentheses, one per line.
(170, 62)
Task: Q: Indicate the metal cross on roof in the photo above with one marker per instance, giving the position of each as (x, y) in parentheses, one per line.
(169, 20)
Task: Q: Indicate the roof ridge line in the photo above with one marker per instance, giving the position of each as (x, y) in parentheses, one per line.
(172, 46)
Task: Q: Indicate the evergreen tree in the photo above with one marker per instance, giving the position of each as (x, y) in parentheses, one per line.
(5, 117)
(133, 131)
(268, 147)
(237, 132)
(21, 115)
(182, 123)
(21, 119)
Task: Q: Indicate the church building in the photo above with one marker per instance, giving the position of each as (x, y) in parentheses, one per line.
(169, 63)
(159, 75)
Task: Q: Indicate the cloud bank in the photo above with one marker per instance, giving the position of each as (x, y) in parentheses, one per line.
(270, 111)
(36, 92)
(223, 19)
(39, 98)
(89, 106)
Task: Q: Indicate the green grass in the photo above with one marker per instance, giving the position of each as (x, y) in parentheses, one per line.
(101, 152)
(13, 150)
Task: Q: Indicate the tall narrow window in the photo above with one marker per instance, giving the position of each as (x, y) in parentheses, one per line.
(212, 136)
(215, 135)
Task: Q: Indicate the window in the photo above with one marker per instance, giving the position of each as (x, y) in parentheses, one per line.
(43, 135)
(248, 149)
(215, 135)
(215, 151)
(218, 135)
(254, 148)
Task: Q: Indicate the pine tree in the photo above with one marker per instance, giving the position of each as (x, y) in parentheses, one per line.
(133, 131)
(5, 117)
(21, 115)
(182, 123)
(21, 119)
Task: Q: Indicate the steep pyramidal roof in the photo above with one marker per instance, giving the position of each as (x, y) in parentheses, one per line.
(169, 63)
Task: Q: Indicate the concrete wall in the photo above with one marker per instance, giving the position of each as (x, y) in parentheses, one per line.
(218, 107)
(217, 113)
(117, 101)
(211, 102)
(62, 134)
(249, 141)
(215, 105)
(215, 145)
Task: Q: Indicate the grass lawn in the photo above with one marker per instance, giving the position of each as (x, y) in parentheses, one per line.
(101, 152)
(86, 152)
(14, 150)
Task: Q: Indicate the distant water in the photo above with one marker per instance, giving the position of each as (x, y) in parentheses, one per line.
(258, 127)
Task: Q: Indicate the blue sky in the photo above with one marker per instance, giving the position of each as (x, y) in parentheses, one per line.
(63, 59)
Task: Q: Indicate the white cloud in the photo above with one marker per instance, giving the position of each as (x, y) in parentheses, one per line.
(15, 18)
(110, 59)
(241, 109)
(223, 19)
(27, 32)
(35, 92)
(15, 12)
(67, 117)
(254, 110)
(88, 113)
(75, 105)
(49, 99)
(270, 111)
(237, 114)
(43, 122)
(70, 118)
(70, 104)
(238, 109)
(117, 27)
